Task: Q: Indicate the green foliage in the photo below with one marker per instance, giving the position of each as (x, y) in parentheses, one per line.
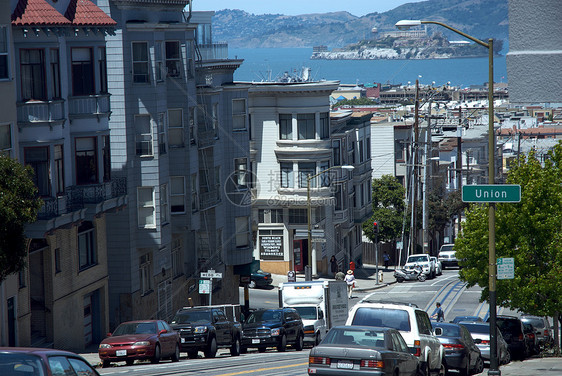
(388, 209)
(354, 102)
(529, 232)
(19, 205)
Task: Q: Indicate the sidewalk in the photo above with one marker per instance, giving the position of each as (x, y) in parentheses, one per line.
(531, 367)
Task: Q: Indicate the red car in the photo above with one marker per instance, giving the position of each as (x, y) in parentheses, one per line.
(47, 362)
(147, 339)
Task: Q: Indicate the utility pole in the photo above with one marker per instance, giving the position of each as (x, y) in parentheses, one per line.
(426, 174)
(413, 230)
(459, 166)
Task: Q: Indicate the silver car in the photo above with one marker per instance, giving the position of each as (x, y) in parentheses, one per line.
(543, 333)
(480, 332)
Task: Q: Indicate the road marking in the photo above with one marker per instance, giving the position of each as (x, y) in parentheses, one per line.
(262, 369)
(441, 280)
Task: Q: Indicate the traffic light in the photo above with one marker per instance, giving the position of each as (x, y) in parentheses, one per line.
(376, 227)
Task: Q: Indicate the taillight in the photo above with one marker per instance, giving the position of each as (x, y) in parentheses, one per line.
(521, 337)
(372, 363)
(417, 348)
(265, 277)
(485, 342)
(319, 360)
(453, 346)
(546, 332)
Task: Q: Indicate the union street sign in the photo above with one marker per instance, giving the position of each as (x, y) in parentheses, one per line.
(491, 193)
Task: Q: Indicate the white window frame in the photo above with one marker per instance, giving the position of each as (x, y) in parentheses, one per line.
(175, 129)
(305, 125)
(177, 196)
(239, 114)
(164, 207)
(287, 174)
(242, 231)
(146, 209)
(143, 137)
(241, 173)
(139, 62)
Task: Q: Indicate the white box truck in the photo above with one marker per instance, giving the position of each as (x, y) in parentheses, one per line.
(321, 305)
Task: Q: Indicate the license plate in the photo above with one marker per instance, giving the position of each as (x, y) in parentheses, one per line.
(255, 341)
(121, 353)
(183, 340)
(345, 364)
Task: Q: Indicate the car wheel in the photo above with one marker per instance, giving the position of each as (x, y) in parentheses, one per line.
(192, 354)
(262, 349)
(252, 284)
(211, 350)
(105, 363)
(422, 277)
(426, 370)
(156, 358)
(129, 362)
(176, 355)
(282, 346)
(479, 366)
(235, 348)
(399, 280)
(507, 357)
(300, 343)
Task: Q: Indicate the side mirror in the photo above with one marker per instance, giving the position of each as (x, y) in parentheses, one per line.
(320, 314)
(108, 335)
(438, 331)
(478, 341)
(163, 331)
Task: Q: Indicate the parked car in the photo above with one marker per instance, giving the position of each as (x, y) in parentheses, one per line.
(24, 361)
(458, 319)
(412, 323)
(447, 256)
(480, 332)
(543, 331)
(273, 328)
(532, 345)
(514, 334)
(140, 340)
(207, 328)
(360, 350)
(438, 265)
(259, 278)
(422, 260)
(461, 353)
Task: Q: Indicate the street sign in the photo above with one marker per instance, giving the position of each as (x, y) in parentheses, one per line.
(318, 240)
(317, 233)
(301, 234)
(211, 274)
(491, 193)
(506, 268)
(204, 286)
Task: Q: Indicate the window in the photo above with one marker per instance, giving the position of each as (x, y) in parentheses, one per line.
(194, 195)
(86, 161)
(285, 127)
(102, 67)
(55, 73)
(270, 215)
(298, 216)
(306, 169)
(5, 139)
(175, 127)
(4, 58)
(86, 245)
(38, 159)
(22, 280)
(158, 64)
(339, 197)
(325, 125)
(192, 125)
(177, 259)
(59, 170)
(145, 272)
(239, 114)
(362, 195)
(57, 260)
(82, 71)
(398, 151)
(189, 64)
(287, 177)
(306, 126)
(32, 73)
(336, 152)
(145, 202)
(173, 63)
(140, 62)
(177, 194)
(143, 129)
(163, 204)
(242, 231)
(368, 144)
(240, 172)
(106, 158)
(215, 119)
(361, 152)
(161, 124)
(325, 177)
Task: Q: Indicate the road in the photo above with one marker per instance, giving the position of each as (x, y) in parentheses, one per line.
(455, 299)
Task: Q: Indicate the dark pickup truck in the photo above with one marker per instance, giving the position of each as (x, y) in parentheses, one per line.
(208, 328)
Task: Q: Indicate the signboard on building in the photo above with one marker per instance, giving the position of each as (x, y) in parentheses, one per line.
(271, 247)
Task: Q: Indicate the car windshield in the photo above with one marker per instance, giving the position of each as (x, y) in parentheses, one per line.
(446, 248)
(384, 317)
(135, 328)
(19, 364)
(510, 326)
(448, 330)
(477, 328)
(355, 337)
(193, 317)
(536, 322)
(421, 258)
(267, 315)
(306, 313)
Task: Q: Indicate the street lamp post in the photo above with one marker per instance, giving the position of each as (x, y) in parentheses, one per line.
(312, 269)
(404, 25)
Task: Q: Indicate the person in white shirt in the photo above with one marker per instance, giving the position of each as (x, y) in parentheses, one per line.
(350, 280)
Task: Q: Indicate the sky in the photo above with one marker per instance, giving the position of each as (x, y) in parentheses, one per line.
(294, 7)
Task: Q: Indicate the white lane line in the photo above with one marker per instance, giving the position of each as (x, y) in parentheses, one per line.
(441, 280)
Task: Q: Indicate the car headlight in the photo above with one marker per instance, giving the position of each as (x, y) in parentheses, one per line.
(141, 343)
(105, 346)
(200, 329)
(276, 331)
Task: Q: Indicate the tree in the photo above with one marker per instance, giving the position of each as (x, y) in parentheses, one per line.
(388, 209)
(19, 205)
(529, 232)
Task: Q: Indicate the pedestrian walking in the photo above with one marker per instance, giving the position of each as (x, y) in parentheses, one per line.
(386, 259)
(340, 276)
(350, 280)
(334, 265)
(439, 314)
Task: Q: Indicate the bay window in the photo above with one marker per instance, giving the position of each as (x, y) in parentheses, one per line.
(82, 71)
(86, 160)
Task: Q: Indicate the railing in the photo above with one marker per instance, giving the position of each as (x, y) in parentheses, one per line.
(40, 112)
(341, 216)
(213, 51)
(205, 137)
(89, 105)
(208, 199)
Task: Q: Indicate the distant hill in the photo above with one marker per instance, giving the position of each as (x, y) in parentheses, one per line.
(479, 18)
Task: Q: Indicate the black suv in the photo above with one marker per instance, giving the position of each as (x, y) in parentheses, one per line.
(273, 328)
(513, 332)
(206, 329)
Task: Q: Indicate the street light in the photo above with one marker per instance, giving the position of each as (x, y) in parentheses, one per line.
(405, 25)
(312, 269)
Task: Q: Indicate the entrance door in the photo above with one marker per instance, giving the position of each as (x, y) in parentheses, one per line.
(87, 320)
(300, 254)
(11, 321)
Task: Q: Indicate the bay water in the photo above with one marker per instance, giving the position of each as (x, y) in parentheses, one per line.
(267, 64)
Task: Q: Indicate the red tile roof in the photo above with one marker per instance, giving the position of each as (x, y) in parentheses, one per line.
(84, 12)
(78, 13)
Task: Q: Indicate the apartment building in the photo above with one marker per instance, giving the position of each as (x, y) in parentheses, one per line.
(62, 132)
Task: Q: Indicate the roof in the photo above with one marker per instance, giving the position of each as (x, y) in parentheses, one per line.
(78, 13)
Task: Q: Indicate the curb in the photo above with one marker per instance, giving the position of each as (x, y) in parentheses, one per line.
(375, 287)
